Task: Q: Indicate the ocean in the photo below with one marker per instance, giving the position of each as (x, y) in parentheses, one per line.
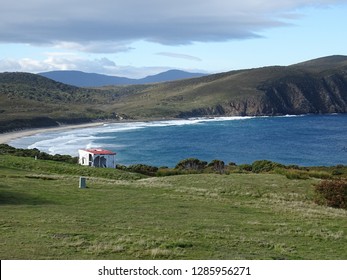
(308, 140)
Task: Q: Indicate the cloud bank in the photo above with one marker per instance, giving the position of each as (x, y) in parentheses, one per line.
(70, 61)
(109, 26)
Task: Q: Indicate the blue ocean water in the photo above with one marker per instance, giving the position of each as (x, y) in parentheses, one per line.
(308, 140)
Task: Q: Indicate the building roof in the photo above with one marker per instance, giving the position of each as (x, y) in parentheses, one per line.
(99, 151)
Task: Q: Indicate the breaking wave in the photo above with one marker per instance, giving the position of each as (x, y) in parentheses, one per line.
(69, 141)
(309, 140)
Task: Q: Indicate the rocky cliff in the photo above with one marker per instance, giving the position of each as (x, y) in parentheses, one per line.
(307, 94)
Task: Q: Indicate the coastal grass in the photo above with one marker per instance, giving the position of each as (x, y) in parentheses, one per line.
(121, 215)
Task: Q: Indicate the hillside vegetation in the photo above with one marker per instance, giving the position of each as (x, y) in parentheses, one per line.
(317, 86)
(44, 215)
(28, 100)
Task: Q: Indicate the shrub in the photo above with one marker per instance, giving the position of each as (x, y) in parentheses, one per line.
(293, 166)
(65, 158)
(337, 172)
(296, 175)
(143, 169)
(264, 166)
(121, 167)
(319, 175)
(332, 193)
(191, 164)
(168, 172)
(245, 167)
(9, 150)
(217, 165)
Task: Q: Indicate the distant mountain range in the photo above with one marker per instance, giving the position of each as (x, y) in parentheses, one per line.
(82, 79)
(317, 86)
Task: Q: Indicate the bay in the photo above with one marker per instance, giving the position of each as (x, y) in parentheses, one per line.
(309, 140)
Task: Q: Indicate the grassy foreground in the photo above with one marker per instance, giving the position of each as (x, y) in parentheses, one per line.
(43, 215)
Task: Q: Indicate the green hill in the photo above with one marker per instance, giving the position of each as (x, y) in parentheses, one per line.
(29, 100)
(316, 86)
(44, 215)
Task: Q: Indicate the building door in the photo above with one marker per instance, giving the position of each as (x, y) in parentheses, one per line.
(103, 162)
(97, 161)
(90, 160)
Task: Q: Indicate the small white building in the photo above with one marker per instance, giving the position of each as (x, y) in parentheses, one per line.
(97, 157)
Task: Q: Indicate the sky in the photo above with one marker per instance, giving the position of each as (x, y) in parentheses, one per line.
(136, 38)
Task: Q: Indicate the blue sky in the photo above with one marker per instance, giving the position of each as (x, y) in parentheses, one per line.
(136, 38)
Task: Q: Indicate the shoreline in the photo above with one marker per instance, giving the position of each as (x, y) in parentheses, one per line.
(9, 136)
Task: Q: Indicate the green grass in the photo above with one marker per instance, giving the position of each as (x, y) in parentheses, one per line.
(43, 215)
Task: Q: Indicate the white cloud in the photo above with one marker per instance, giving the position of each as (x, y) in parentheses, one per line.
(107, 26)
(9, 65)
(95, 46)
(70, 61)
(179, 56)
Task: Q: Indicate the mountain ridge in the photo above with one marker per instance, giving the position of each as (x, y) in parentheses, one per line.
(83, 79)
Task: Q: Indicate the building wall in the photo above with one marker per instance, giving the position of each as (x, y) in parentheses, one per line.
(104, 161)
(83, 158)
(90, 159)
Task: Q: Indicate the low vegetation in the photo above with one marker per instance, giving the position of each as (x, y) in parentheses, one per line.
(239, 213)
(332, 193)
(35, 153)
(30, 101)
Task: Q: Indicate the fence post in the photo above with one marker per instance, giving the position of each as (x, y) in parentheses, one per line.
(83, 184)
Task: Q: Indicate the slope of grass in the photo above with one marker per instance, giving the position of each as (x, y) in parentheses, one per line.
(61, 168)
(25, 96)
(44, 215)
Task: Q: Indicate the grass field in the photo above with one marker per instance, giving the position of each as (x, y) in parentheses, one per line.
(44, 215)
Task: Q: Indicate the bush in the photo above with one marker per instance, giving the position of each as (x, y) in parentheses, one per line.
(168, 172)
(245, 167)
(319, 175)
(264, 166)
(143, 169)
(332, 193)
(293, 166)
(292, 174)
(217, 165)
(337, 172)
(121, 167)
(9, 150)
(191, 164)
(296, 175)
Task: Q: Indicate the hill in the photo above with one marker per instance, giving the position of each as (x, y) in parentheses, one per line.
(82, 79)
(29, 100)
(318, 86)
(170, 75)
(126, 216)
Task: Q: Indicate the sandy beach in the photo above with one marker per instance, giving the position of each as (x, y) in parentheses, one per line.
(7, 137)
